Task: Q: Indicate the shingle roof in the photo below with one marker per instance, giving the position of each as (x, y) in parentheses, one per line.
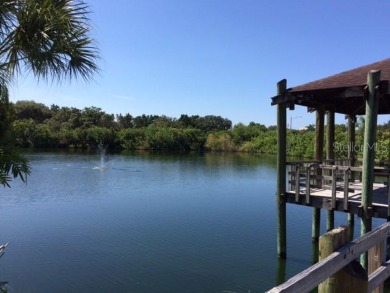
(340, 93)
(350, 78)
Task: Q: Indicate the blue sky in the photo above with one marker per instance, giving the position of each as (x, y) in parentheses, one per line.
(218, 57)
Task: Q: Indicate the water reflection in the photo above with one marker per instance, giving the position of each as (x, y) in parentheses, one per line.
(184, 223)
(281, 266)
(4, 287)
(239, 160)
(3, 284)
(280, 271)
(211, 158)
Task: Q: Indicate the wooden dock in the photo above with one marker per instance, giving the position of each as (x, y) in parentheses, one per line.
(325, 183)
(336, 187)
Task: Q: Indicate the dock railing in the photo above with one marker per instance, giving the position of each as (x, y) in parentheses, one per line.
(307, 177)
(321, 271)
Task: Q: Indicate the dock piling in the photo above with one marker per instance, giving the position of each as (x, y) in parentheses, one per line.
(319, 149)
(330, 134)
(351, 278)
(373, 79)
(281, 173)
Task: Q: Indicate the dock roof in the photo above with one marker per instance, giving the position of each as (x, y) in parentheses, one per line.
(341, 93)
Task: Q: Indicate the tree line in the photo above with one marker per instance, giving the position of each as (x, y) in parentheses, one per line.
(37, 125)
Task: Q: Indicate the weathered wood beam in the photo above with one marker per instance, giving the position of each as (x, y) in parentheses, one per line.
(351, 92)
(376, 278)
(373, 79)
(282, 98)
(311, 277)
(376, 257)
(378, 211)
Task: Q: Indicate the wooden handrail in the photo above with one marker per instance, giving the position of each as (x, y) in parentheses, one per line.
(319, 272)
(293, 163)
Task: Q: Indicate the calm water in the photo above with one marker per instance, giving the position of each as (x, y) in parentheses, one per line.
(148, 223)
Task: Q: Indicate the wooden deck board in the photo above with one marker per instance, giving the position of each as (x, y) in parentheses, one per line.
(322, 198)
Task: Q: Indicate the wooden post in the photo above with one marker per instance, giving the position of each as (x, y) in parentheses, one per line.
(351, 139)
(351, 226)
(314, 252)
(369, 155)
(281, 173)
(330, 135)
(319, 143)
(352, 158)
(319, 148)
(315, 228)
(330, 156)
(377, 258)
(351, 278)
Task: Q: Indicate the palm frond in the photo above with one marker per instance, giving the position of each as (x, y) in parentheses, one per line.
(7, 15)
(51, 39)
(12, 165)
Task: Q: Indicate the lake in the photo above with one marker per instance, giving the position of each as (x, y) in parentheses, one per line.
(148, 223)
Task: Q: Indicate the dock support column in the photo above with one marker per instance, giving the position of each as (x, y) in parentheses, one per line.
(330, 156)
(351, 139)
(352, 159)
(281, 173)
(319, 145)
(351, 278)
(373, 79)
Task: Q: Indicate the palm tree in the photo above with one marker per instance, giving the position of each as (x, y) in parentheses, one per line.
(49, 38)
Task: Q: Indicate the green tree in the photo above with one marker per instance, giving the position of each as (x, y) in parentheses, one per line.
(192, 139)
(67, 137)
(30, 109)
(242, 133)
(43, 137)
(144, 120)
(125, 121)
(213, 123)
(220, 141)
(300, 143)
(161, 138)
(131, 138)
(165, 121)
(50, 39)
(266, 143)
(186, 121)
(96, 135)
(24, 131)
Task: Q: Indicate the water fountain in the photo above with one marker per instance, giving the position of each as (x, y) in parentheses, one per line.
(103, 165)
